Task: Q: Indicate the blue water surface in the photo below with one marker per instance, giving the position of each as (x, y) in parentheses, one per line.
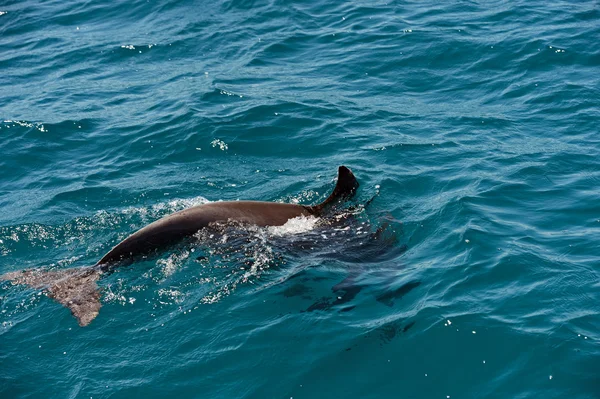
(475, 125)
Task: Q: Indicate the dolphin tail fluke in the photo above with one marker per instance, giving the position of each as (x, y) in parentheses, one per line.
(74, 288)
(345, 188)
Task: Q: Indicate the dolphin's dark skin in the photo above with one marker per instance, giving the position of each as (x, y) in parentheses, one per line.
(76, 288)
(175, 227)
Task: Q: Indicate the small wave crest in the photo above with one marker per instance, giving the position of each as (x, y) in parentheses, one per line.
(160, 208)
(95, 231)
(13, 123)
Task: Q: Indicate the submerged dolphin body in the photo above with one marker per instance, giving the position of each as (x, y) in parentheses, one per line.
(76, 288)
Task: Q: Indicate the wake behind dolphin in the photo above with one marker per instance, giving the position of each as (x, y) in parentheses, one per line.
(76, 288)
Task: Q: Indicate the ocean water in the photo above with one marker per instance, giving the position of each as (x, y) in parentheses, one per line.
(474, 125)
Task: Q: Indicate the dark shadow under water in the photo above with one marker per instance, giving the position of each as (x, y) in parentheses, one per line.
(347, 238)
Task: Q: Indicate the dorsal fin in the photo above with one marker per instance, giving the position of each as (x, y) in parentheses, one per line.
(345, 187)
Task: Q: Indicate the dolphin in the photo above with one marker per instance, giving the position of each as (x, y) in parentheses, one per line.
(76, 288)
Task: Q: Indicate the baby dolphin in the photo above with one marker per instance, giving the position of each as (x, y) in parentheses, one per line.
(76, 288)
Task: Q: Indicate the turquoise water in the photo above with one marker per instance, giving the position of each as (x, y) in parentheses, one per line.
(474, 123)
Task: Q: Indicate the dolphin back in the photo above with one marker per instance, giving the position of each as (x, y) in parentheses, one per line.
(76, 288)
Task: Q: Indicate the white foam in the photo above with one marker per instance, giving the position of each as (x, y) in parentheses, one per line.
(219, 143)
(173, 262)
(297, 225)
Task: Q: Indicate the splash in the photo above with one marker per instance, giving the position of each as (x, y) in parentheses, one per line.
(172, 263)
(297, 225)
(169, 296)
(219, 143)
